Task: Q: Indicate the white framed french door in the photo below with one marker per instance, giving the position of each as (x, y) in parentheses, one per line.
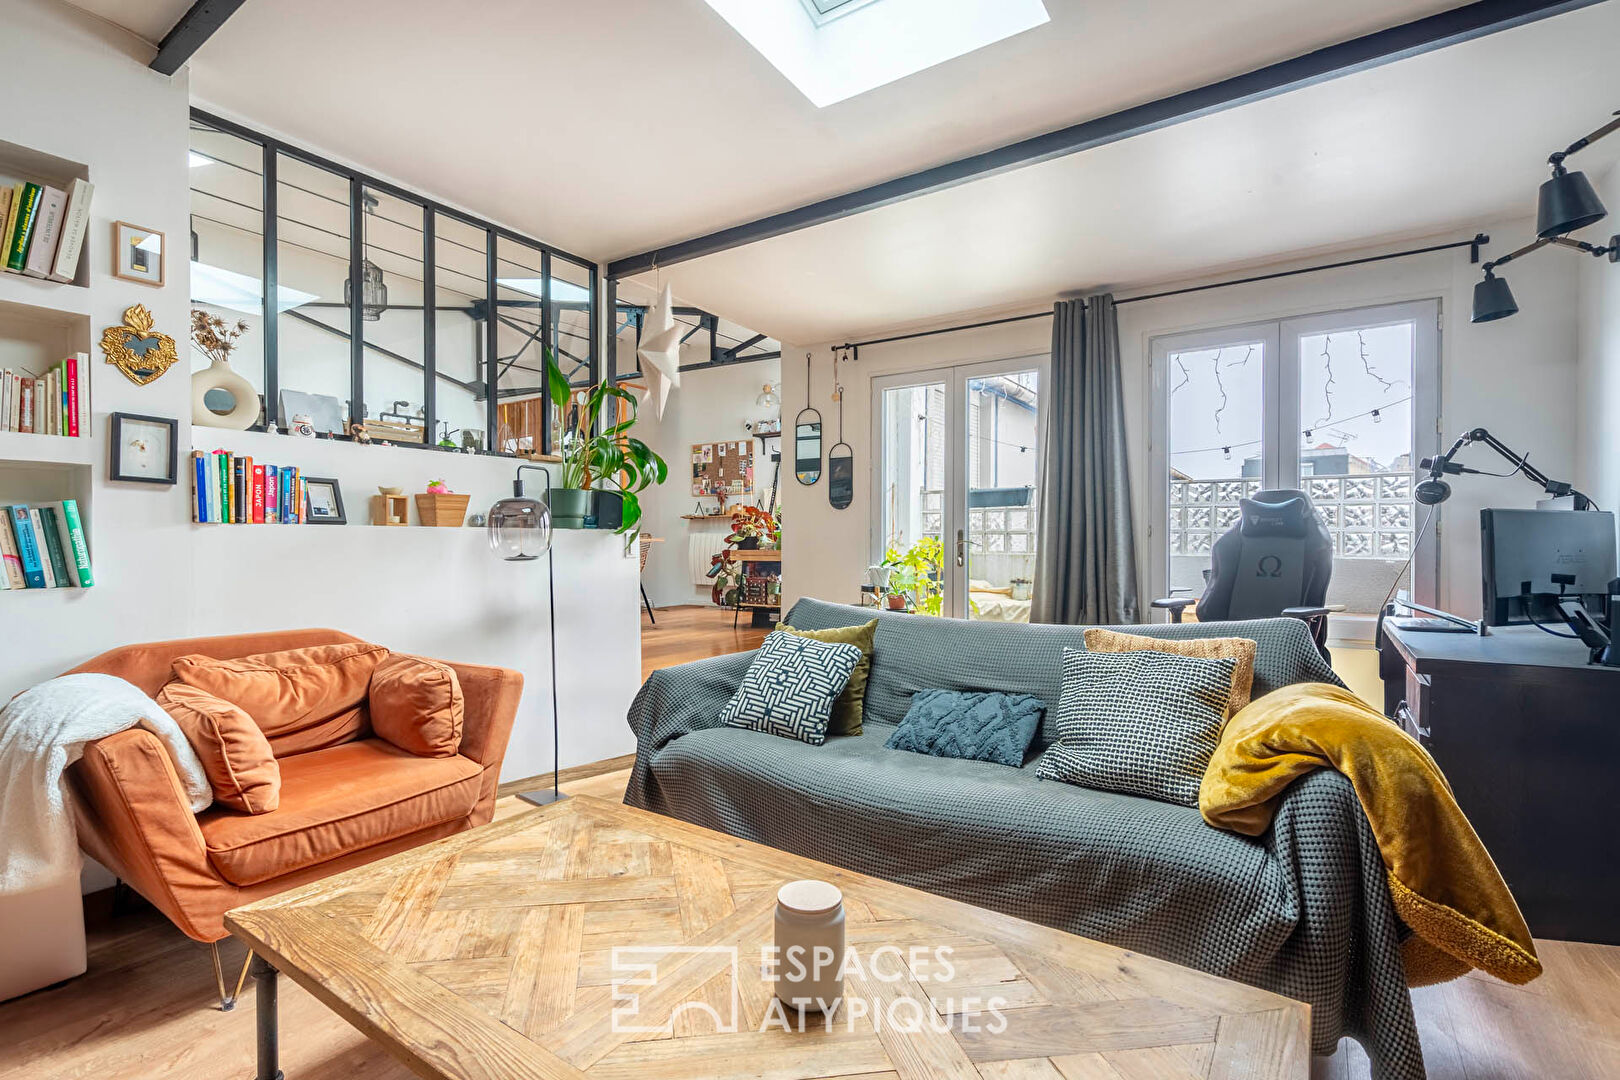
(956, 452)
(1338, 404)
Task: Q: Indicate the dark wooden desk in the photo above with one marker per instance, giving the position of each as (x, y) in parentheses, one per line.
(1528, 734)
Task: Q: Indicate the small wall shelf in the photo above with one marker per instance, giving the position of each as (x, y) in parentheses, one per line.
(19, 163)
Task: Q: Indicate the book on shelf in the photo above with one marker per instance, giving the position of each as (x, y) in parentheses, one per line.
(55, 403)
(230, 489)
(42, 228)
(43, 547)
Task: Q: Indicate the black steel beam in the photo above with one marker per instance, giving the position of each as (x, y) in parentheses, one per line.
(1347, 57)
(185, 37)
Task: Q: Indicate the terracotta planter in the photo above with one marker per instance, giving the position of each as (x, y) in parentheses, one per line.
(445, 511)
(897, 601)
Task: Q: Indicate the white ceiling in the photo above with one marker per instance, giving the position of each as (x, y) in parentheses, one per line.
(611, 128)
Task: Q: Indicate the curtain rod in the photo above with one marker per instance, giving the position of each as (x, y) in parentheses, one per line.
(1478, 241)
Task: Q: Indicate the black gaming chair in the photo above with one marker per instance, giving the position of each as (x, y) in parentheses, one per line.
(1275, 561)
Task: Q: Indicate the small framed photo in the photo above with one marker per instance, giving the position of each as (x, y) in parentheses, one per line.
(323, 502)
(143, 449)
(138, 254)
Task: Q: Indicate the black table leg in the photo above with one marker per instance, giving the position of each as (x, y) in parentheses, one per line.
(264, 982)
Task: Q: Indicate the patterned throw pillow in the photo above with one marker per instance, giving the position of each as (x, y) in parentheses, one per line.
(1144, 723)
(973, 725)
(790, 687)
(851, 704)
(1099, 639)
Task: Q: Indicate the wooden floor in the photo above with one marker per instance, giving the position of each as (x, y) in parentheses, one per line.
(691, 633)
(144, 1012)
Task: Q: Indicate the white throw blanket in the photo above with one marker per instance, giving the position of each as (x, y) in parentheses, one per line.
(42, 732)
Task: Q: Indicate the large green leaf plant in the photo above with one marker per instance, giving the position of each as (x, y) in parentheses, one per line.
(600, 455)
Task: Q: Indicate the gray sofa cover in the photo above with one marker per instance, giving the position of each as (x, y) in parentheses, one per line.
(1303, 910)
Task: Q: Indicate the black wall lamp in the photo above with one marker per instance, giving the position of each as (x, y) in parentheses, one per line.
(1566, 202)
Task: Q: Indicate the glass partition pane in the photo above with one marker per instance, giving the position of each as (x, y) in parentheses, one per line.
(391, 313)
(572, 308)
(520, 359)
(227, 244)
(912, 481)
(1215, 450)
(461, 275)
(312, 266)
(1003, 469)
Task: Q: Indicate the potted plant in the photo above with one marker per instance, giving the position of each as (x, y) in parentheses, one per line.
(752, 528)
(598, 453)
(916, 573)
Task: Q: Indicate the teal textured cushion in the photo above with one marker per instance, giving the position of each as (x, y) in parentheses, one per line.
(968, 724)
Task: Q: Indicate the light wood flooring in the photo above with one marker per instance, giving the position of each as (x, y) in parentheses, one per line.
(692, 632)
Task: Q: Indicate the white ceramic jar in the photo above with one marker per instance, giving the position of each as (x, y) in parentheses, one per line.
(809, 944)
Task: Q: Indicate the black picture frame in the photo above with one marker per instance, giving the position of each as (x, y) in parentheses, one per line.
(117, 467)
(310, 516)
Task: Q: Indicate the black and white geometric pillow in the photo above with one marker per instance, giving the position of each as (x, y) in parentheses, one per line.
(1144, 723)
(790, 687)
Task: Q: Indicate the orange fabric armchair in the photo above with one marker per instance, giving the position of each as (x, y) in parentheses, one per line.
(340, 806)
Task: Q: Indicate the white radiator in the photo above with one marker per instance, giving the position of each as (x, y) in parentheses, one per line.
(702, 545)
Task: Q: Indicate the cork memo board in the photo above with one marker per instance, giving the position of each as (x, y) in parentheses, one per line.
(723, 468)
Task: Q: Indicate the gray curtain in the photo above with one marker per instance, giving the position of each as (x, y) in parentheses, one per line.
(1085, 569)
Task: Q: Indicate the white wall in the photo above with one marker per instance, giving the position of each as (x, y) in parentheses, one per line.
(158, 576)
(710, 406)
(1515, 377)
(1598, 413)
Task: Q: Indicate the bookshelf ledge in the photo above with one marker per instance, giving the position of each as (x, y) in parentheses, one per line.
(24, 447)
(51, 296)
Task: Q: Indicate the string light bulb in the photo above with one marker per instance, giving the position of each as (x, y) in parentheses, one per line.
(1377, 419)
(1226, 452)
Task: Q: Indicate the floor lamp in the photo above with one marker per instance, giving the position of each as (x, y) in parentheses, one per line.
(520, 531)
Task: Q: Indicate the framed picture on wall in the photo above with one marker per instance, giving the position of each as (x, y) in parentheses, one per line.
(138, 254)
(323, 502)
(143, 449)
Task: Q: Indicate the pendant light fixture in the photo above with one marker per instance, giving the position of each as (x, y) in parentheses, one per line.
(373, 291)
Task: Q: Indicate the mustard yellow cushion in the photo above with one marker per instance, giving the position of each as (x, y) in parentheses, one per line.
(851, 704)
(1223, 648)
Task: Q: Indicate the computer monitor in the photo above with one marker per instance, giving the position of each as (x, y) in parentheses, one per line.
(1530, 546)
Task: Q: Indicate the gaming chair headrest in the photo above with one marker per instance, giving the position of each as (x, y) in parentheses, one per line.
(1282, 512)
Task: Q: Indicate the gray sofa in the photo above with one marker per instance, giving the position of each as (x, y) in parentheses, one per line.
(1303, 910)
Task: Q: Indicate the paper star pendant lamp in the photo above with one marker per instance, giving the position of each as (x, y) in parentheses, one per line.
(660, 351)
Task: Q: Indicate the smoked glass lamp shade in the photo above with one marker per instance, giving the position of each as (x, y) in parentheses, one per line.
(519, 528)
(1567, 202)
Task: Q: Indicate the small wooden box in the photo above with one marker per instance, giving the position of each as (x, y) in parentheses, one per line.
(390, 510)
(442, 510)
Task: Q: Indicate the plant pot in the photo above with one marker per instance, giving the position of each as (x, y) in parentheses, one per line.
(448, 510)
(748, 543)
(570, 507)
(897, 601)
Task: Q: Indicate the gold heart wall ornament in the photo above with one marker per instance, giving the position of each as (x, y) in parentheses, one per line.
(137, 350)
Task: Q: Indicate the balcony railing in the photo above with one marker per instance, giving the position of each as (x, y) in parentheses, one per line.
(1369, 515)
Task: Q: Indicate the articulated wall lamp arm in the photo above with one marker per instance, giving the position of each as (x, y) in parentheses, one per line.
(1557, 159)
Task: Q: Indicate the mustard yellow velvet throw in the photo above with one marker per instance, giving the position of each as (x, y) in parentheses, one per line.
(1443, 882)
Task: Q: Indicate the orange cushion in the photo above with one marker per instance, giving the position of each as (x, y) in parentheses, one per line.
(1231, 648)
(416, 704)
(337, 801)
(234, 753)
(302, 699)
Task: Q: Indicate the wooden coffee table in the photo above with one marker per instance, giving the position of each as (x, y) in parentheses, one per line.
(591, 939)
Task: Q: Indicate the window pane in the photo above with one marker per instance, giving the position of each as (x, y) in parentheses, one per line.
(460, 285)
(1215, 451)
(572, 308)
(391, 314)
(520, 365)
(312, 266)
(913, 466)
(1003, 469)
(1355, 454)
(227, 243)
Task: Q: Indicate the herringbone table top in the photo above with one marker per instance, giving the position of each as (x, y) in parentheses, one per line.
(592, 939)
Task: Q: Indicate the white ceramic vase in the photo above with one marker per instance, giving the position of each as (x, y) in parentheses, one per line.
(230, 389)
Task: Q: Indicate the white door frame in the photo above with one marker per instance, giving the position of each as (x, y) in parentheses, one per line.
(954, 517)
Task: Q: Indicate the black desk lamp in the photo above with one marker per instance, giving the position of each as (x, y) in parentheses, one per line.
(1435, 490)
(520, 531)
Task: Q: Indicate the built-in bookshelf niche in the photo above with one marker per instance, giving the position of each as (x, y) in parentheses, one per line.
(22, 164)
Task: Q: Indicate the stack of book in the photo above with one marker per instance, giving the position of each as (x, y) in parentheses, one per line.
(55, 403)
(43, 547)
(231, 490)
(43, 229)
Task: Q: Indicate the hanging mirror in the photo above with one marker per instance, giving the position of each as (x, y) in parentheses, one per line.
(841, 458)
(807, 437)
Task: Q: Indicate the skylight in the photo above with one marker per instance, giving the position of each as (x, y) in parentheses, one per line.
(834, 49)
